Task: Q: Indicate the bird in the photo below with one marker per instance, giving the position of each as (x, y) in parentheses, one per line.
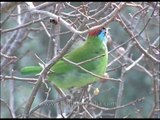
(92, 56)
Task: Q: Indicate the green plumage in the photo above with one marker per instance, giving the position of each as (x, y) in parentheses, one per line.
(65, 75)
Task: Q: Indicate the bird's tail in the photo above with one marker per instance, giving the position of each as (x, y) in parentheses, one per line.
(31, 70)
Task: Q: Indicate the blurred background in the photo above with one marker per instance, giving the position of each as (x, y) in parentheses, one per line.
(134, 61)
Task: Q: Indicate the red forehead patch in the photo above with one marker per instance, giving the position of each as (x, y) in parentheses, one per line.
(94, 32)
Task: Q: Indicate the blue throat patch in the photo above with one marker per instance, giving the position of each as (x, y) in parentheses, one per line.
(102, 36)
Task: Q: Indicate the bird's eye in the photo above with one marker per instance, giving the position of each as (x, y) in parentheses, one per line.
(103, 28)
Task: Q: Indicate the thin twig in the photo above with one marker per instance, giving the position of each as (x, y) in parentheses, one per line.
(89, 72)
(76, 10)
(9, 57)
(91, 59)
(48, 102)
(116, 68)
(87, 111)
(17, 78)
(118, 107)
(134, 63)
(23, 25)
(6, 18)
(7, 107)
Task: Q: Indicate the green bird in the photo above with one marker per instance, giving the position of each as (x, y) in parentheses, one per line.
(92, 56)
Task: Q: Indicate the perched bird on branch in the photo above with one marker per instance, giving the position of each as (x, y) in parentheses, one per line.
(75, 69)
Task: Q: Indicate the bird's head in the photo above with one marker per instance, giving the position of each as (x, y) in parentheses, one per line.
(101, 33)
